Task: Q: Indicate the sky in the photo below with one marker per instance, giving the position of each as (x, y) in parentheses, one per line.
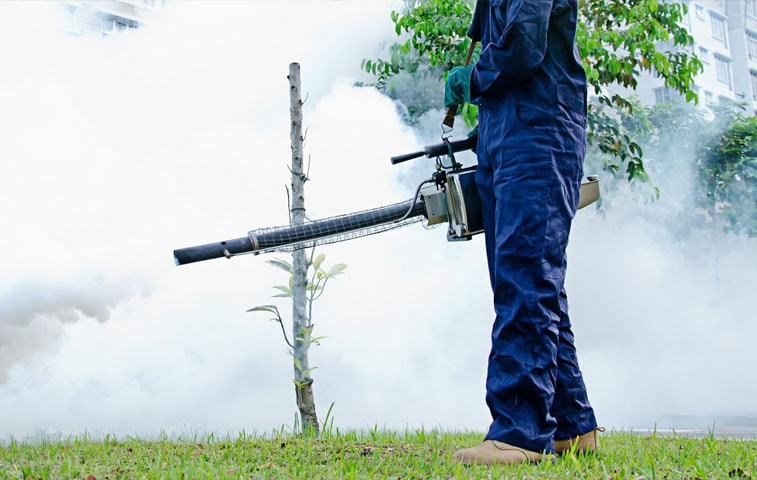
(116, 152)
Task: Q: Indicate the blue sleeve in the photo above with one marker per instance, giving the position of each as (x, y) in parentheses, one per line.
(518, 43)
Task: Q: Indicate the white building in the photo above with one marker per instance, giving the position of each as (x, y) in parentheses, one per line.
(106, 17)
(725, 36)
(724, 31)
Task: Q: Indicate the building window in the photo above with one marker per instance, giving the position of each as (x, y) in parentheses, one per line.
(753, 78)
(723, 69)
(750, 7)
(718, 28)
(664, 95)
(704, 55)
(69, 18)
(111, 24)
(699, 11)
(751, 44)
(107, 25)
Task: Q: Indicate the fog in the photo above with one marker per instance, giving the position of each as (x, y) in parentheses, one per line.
(116, 151)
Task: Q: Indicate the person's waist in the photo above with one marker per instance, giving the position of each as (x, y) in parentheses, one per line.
(570, 96)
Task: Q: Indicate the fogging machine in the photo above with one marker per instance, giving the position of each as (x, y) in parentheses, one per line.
(449, 195)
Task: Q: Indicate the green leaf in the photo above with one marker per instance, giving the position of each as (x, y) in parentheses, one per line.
(282, 264)
(336, 270)
(265, 308)
(318, 261)
(282, 288)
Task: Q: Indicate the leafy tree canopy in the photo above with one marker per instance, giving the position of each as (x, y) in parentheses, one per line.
(727, 172)
(723, 147)
(618, 40)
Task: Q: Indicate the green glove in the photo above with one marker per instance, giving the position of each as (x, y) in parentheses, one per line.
(457, 86)
(474, 133)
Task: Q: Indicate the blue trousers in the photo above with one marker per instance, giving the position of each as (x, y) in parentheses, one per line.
(530, 165)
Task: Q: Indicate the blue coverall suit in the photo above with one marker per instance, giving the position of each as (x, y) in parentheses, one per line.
(531, 90)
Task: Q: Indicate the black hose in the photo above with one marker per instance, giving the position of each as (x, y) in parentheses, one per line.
(270, 239)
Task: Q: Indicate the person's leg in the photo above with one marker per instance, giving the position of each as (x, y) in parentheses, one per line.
(522, 369)
(526, 222)
(571, 406)
(529, 173)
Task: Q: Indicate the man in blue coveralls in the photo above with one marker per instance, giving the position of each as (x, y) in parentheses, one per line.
(531, 91)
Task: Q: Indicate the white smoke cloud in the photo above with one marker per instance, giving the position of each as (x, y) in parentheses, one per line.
(117, 152)
(32, 312)
(667, 322)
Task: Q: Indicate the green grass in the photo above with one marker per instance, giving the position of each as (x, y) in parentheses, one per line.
(371, 454)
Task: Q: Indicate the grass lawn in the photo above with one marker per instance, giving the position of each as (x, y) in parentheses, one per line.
(371, 454)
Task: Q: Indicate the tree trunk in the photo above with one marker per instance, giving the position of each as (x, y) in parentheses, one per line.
(301, 327)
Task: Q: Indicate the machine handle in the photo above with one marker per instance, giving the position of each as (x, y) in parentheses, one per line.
(439, 149)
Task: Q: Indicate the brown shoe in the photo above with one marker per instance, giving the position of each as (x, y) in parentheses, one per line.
(588, 442)
(493, 452)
